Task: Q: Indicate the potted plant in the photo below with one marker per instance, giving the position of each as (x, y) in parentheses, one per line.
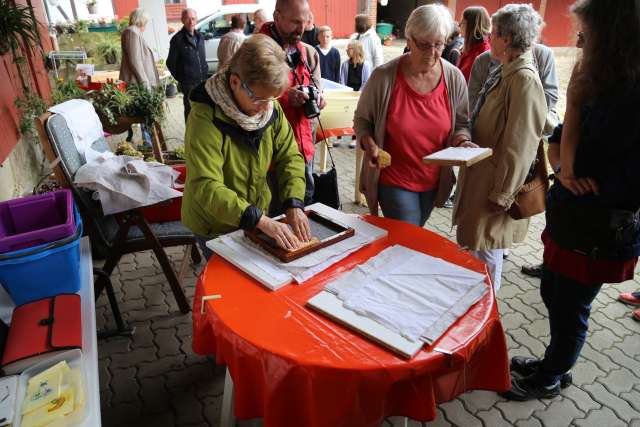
(17, 24)
(387, 40)
(171, 88)
(92, 6)
(109, 49)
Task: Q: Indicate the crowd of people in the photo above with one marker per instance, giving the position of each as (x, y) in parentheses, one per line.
(485, 82)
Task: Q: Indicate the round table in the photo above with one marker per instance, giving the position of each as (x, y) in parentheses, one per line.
(293, 366)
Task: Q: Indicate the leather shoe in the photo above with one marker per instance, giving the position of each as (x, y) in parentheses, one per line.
(527, 366)
(531, 387)
(532, 270)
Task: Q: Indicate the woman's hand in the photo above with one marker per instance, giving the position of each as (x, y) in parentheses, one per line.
(578, 186)
(278, 231)
(463, 141)
(299, 223)
(371, 150)
(468, 144)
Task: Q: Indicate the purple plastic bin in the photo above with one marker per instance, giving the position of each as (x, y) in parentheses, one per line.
(35, 220)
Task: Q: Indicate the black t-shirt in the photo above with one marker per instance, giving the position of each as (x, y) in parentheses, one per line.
(354, 76)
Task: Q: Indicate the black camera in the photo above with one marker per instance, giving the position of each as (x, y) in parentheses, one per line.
(310, 106)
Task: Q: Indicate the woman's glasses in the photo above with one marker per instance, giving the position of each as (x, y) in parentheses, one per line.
(424, 46)
(251, 95)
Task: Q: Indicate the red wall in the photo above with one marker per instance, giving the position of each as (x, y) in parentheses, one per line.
(338, 14)
(123, 8)
(558, 30)
(33, 75)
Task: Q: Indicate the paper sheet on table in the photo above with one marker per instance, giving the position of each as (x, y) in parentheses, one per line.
(125, 183)
(408, 292)
(84, 125)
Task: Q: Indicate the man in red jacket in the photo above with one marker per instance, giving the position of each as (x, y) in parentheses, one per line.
(290, 18)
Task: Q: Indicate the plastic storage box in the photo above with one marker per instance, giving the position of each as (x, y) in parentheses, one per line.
(35, 220)
(43, 271)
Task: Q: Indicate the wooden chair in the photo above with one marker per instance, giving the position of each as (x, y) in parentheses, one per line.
(113, 236)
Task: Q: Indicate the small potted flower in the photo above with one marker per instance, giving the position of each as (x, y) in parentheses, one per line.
(92, 6)
(387, 40)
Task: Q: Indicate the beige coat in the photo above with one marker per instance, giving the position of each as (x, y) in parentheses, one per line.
(138, 64)
(370, 119)
(510, 122)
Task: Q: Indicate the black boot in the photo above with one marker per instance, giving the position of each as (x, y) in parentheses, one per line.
(525, 366)
(532, 270)
(532, 387)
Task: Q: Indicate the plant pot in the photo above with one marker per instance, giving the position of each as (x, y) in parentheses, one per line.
(93, 8)
(123, 124)
(387, 42)
(111, 58)
(171, 91)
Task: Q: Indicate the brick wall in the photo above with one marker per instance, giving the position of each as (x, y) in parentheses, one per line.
(174, 10)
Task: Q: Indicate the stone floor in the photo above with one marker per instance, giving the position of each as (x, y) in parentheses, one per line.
(155, 379)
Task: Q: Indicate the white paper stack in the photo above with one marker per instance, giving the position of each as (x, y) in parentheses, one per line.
(402, 298)
(273, 273)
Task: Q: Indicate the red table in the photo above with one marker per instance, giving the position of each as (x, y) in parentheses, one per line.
(294, 367)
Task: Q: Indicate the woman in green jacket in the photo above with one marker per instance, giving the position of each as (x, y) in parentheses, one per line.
(236, 132)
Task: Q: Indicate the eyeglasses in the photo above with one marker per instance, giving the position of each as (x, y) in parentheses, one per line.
(439, 46)
(251, 95)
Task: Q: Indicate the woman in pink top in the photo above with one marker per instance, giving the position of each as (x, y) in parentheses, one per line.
(475, 27)
(412, 106)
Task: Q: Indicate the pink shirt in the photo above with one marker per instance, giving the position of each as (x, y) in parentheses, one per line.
(417, 125)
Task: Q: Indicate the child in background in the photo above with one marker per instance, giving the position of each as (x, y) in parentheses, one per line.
(329, 56)
(356, 71)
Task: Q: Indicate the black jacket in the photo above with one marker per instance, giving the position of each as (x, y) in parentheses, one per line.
(187, 61)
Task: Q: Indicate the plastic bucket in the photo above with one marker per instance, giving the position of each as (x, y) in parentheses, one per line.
(43, 271)
(35, 220)
(384, 29)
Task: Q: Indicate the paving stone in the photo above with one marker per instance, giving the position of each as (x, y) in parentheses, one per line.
(514, 411)
(164, 419)
(631, 346)
(171, 321)
(167, 342)
(526, 310)
(621, 407)
(143, 336)
(154, 394)
(493, 418)
(598, 357)
(622, 359)
(124, 386)
(479, 400)
(132, 290)
(559, 413)
(600, 417)
(581, 398)
(123, 414)
(457, 415)
(161, 366)
(586, 372)
(132, 358)
(633, 398)
(604, 338)
(538, 328)
(186, 406)
(531, 422)
(142, 273)
(143, 314)
(212, 409)
(190, 376)
(154, 296)
(440, 420)
(514, 320)
(620, 381)
(156, 279)
(104, 376)
(521, 336)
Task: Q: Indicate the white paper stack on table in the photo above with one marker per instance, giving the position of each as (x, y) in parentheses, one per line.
(458, 156)
(401, 298)
(273, 273)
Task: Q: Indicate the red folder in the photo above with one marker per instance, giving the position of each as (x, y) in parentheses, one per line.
(40, 329)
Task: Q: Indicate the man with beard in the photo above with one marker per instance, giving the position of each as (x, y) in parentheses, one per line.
(290, 18)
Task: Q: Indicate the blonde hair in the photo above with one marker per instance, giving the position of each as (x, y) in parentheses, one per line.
(323, 29)
(357, 52)
(260, 60)
(138, 17)
(478, 25)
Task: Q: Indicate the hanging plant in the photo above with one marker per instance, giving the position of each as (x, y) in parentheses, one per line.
(31, 107)
(17, 24)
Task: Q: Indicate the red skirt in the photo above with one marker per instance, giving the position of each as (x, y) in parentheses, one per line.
(584, 269)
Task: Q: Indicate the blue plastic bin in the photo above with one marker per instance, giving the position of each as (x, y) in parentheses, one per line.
(43, 271)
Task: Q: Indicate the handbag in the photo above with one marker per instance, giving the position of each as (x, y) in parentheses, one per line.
(326, 185)
(530, 199)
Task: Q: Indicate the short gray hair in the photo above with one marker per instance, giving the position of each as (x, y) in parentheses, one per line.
(521, 22)
(428, 21)
(187, 10)
(138, 17)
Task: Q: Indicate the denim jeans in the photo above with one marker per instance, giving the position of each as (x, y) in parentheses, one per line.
(404, 205)
(569, 305)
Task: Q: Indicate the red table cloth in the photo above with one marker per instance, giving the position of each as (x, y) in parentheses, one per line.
(295, 367)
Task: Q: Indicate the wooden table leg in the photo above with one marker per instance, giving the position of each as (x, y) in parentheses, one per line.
(155, 144)
(358, 198)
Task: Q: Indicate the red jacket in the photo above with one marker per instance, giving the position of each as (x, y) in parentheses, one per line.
(300, 124)
(468, 57)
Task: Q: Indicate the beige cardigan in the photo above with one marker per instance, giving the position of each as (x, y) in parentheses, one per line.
(138, 64)
(370, 119)
(510, 122)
